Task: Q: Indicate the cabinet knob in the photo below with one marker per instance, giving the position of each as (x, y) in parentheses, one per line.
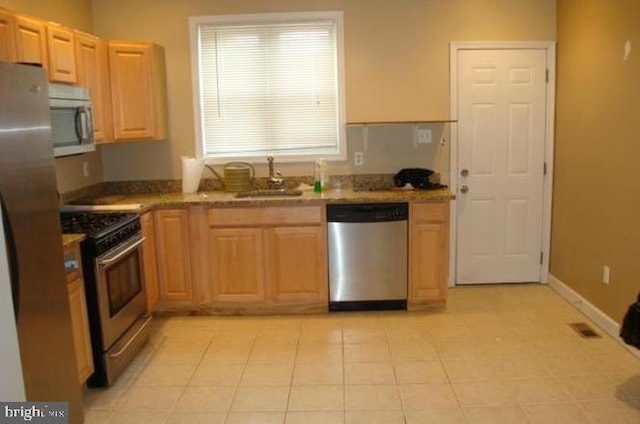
(464, 172)
(464, 189)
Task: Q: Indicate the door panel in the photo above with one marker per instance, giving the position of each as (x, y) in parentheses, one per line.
(501, 124)
(237, 264)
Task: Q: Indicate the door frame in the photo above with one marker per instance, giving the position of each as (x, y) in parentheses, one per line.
(550, 48)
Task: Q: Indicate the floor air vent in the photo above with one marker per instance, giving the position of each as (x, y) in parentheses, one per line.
(584, 330)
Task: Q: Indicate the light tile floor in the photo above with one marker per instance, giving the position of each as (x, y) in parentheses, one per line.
(498, 354)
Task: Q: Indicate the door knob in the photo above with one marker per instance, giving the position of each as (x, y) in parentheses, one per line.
(464, 189)
(464, 172)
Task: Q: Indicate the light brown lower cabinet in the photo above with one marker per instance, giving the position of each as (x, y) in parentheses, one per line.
(270, 257)
(274, 258)
(296, 260)
(173, 250)
(428, 254)
(78, 308)
(237, 264)
(149, 263)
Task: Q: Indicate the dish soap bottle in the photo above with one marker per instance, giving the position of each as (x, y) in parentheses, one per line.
(320, 176)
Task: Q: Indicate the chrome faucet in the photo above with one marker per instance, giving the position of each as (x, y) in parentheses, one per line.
(275, 179)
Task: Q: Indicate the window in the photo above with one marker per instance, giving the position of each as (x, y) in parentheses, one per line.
(269, 85)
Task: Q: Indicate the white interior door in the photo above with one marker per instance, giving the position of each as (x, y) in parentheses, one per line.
(501, 153)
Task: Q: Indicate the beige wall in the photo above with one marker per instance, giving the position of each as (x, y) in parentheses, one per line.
(72, 13)
(597, 177)
(75, 14)
(397, 64)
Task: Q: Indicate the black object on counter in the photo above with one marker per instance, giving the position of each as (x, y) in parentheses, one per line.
(630, 330)
(417, 177)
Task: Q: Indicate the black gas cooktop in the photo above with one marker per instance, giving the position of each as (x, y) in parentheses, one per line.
(94, 225)
(104, 230)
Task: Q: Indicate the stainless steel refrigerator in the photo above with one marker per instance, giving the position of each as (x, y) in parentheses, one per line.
(31, 257)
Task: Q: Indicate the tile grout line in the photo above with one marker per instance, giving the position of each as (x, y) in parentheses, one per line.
(395, 376)
(293, 370)
(237, 386)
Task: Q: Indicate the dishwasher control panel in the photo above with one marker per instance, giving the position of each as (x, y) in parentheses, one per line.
(368, 212)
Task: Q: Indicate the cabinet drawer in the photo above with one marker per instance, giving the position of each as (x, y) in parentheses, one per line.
(265, 216)
(430, 212)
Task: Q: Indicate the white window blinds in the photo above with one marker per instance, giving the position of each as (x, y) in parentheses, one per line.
(269, 88)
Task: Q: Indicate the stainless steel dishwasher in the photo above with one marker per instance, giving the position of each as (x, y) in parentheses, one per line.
(367, 256)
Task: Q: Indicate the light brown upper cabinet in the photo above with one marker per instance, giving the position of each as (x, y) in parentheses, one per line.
(7, 36)
(138, 90)
(62, 60)
(31, 40)
(93, 73)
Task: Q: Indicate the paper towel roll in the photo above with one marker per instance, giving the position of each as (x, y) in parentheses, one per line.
(191, 173)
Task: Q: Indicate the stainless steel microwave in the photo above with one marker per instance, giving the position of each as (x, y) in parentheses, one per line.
(71, 120)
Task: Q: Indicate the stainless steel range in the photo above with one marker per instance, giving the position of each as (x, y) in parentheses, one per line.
(114, 284)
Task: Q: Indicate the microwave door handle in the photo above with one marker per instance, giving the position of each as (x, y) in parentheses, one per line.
(78, 124)
(82, 124)
(88, 124)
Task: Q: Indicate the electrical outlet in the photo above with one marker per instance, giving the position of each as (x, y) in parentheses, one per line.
(85, 169)
(424, 136)
(358, 158)
(606, 273)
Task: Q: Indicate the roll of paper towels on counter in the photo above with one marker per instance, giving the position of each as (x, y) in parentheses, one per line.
(191, 173)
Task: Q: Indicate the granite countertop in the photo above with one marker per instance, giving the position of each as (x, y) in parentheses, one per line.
(224, 199)
(69, 239)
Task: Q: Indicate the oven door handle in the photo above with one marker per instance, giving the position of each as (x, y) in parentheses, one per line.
(129, 247)
(132, 339)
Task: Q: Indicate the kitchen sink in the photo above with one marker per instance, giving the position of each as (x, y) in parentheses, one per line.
(269, 193)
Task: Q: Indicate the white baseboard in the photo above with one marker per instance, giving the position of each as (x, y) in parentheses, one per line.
(604, 321)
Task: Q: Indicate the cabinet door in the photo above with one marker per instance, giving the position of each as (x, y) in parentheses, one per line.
(31, 41)
(93, 73)
(7, 36)
(237, 264)
(61, 50)
(296, 263)
(429, 267)
(173, 254)
(137, 90)
(149, 261)
(80, 328)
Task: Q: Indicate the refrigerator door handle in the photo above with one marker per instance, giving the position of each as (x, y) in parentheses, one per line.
(12, 257)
